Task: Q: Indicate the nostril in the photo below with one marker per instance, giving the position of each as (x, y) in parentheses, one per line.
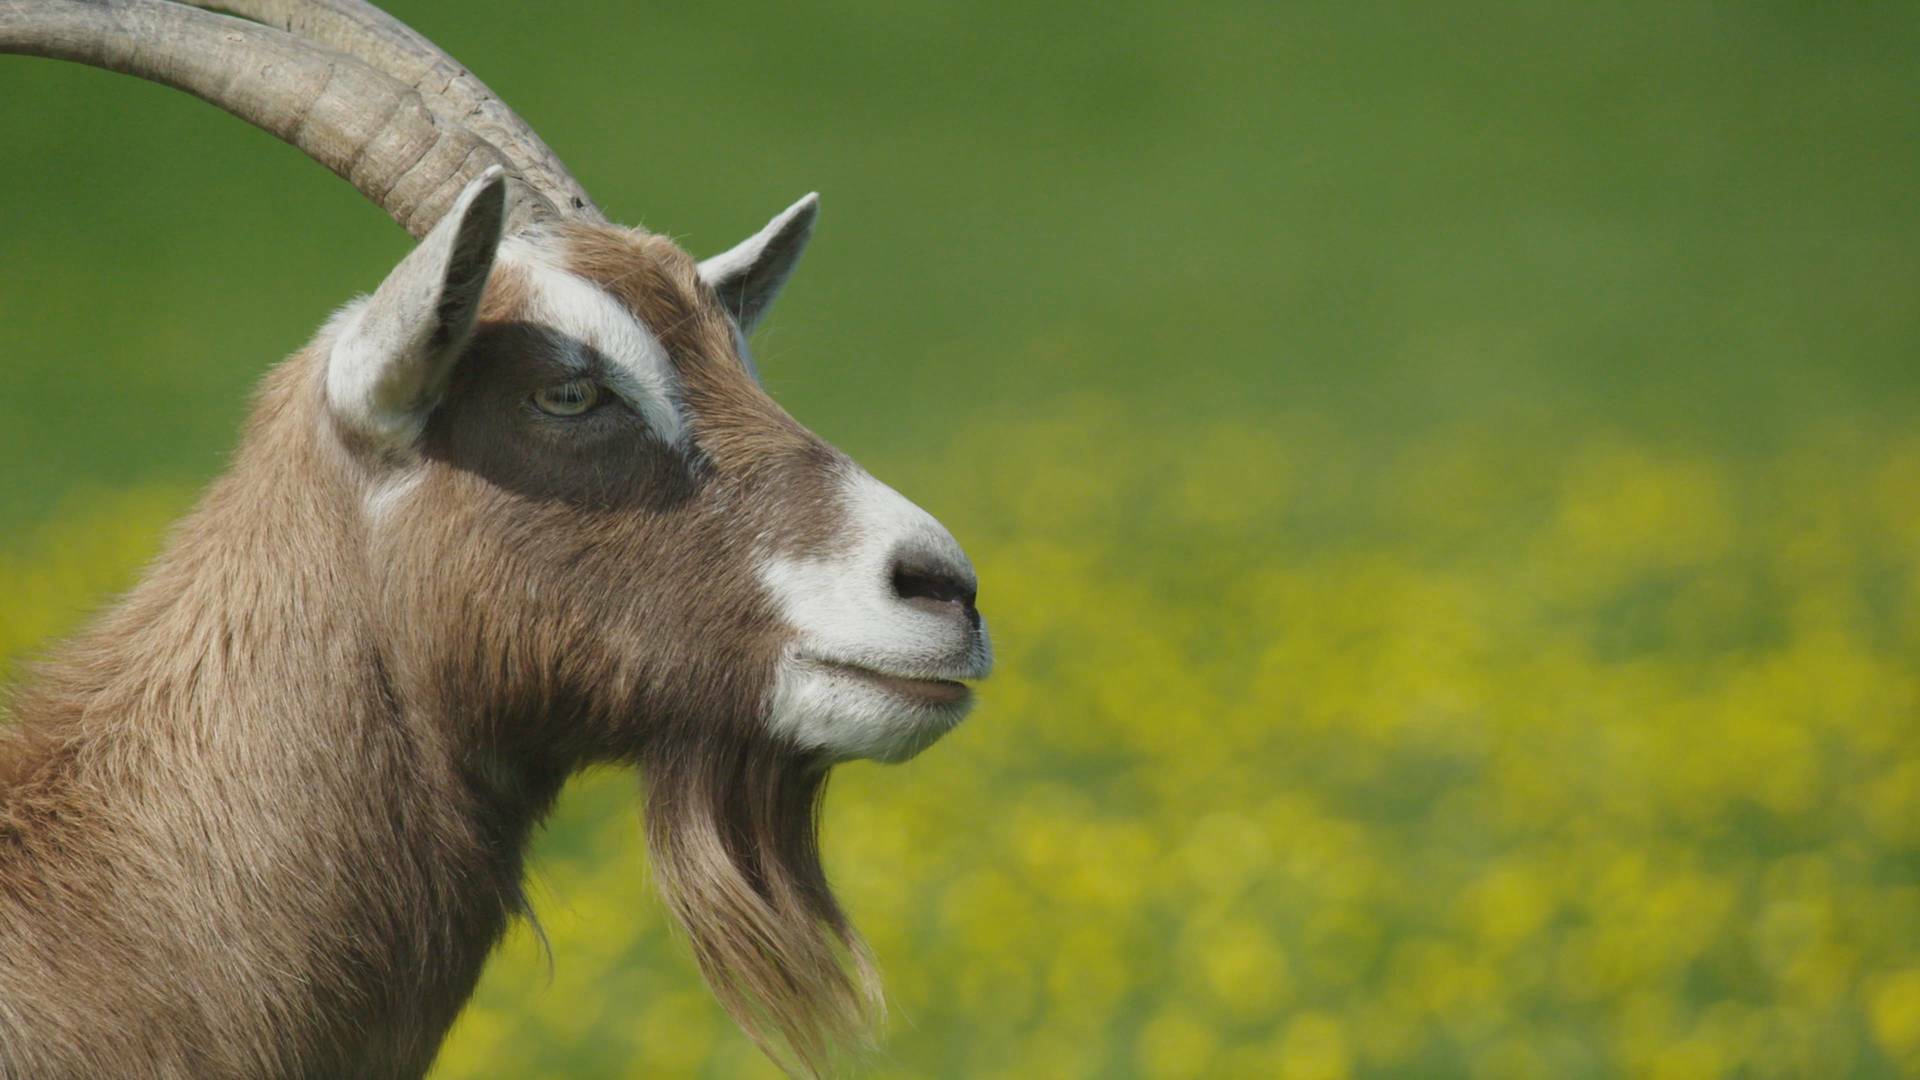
(932, 585)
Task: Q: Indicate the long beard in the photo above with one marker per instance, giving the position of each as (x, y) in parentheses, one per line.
(733, 831)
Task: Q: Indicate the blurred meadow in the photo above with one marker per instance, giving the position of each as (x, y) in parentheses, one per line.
(1445, 481)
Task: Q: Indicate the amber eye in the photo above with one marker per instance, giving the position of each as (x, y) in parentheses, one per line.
(568, 398)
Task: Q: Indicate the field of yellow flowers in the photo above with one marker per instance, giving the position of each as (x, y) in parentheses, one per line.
(1529, 750)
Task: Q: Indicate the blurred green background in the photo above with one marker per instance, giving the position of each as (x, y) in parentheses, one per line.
(1444, 480)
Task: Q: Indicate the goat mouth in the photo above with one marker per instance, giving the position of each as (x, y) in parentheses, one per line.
(938, 693)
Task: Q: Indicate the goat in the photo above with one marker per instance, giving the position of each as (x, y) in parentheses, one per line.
(524, 509)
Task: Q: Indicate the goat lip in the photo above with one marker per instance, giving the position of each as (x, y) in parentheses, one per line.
(922, 691)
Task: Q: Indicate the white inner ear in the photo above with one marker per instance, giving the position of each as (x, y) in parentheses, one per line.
(367, 376)
(638, 368)
(392, 353)
(748, 276)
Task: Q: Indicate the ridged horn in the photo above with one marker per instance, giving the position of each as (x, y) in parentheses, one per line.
(386, 44)
(372, 130)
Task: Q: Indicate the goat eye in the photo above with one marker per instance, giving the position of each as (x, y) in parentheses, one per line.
(568, 398)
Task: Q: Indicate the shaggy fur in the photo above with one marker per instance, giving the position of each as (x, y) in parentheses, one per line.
(268, 815)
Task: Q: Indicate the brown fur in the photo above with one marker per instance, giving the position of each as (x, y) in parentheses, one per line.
(267, 816)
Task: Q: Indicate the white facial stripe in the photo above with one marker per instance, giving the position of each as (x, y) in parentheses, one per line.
(844, 614)
(640, 370)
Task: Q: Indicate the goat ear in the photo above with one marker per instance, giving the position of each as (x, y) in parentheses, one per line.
(390, 362)
(750, 275)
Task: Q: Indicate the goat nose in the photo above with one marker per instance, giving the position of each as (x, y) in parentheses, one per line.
(934, 585)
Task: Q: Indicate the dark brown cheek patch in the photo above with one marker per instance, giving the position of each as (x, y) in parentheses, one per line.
(608, 459)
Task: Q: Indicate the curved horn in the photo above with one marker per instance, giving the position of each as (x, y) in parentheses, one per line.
(370, 129)
(382, 42)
